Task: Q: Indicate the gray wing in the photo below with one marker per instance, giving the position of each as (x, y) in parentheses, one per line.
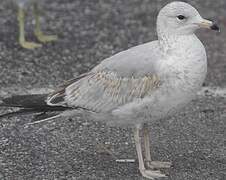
(117, 81)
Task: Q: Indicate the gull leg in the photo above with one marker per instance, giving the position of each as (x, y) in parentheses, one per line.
(22, 41)
(150, 174)
(149, 163)
(38, 32)
(147, 151)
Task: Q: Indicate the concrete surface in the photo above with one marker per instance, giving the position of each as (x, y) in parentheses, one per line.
(89, 31)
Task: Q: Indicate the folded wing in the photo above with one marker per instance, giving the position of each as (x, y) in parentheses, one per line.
(118, 80)
(103, 91)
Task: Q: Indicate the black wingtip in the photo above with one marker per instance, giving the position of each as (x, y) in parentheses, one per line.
(29, 104)
(26, 101)
(18, 112)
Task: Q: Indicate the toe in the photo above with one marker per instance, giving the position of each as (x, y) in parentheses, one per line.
(158, 164)
(152, 174)
(30, 45)
(47, 38)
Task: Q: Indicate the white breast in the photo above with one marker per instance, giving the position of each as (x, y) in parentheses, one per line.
(183, 72)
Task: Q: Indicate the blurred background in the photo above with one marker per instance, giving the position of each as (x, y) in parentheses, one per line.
(89, 31)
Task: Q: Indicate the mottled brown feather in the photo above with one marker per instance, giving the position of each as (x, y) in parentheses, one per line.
(102, 91)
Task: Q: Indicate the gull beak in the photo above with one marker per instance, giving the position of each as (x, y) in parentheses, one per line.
(209, 25)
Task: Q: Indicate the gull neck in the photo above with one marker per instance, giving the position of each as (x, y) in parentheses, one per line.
(170, 42)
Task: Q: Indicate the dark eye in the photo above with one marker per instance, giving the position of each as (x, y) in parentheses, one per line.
(181, 17)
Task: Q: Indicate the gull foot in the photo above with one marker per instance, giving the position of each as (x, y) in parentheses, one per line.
(46, 38)
(158, 165)
(151, 174)
(30, 45)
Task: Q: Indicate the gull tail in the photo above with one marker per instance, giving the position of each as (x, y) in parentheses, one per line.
(31, 104)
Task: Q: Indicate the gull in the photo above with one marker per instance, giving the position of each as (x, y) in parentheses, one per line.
(22, 6)
(145, 83)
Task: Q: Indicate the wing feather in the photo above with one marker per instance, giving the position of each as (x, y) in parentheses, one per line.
(103, 91)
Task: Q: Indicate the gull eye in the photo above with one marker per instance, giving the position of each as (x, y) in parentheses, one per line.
(181, 17)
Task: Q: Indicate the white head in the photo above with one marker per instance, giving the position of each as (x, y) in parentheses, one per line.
(180, 18)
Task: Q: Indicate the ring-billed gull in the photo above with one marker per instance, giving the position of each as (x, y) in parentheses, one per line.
(140, 85)
(22, 6)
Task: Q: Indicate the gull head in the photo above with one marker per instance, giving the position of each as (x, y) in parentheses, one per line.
(180, 18)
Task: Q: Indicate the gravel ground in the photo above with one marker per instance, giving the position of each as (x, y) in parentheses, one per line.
(89, 31)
